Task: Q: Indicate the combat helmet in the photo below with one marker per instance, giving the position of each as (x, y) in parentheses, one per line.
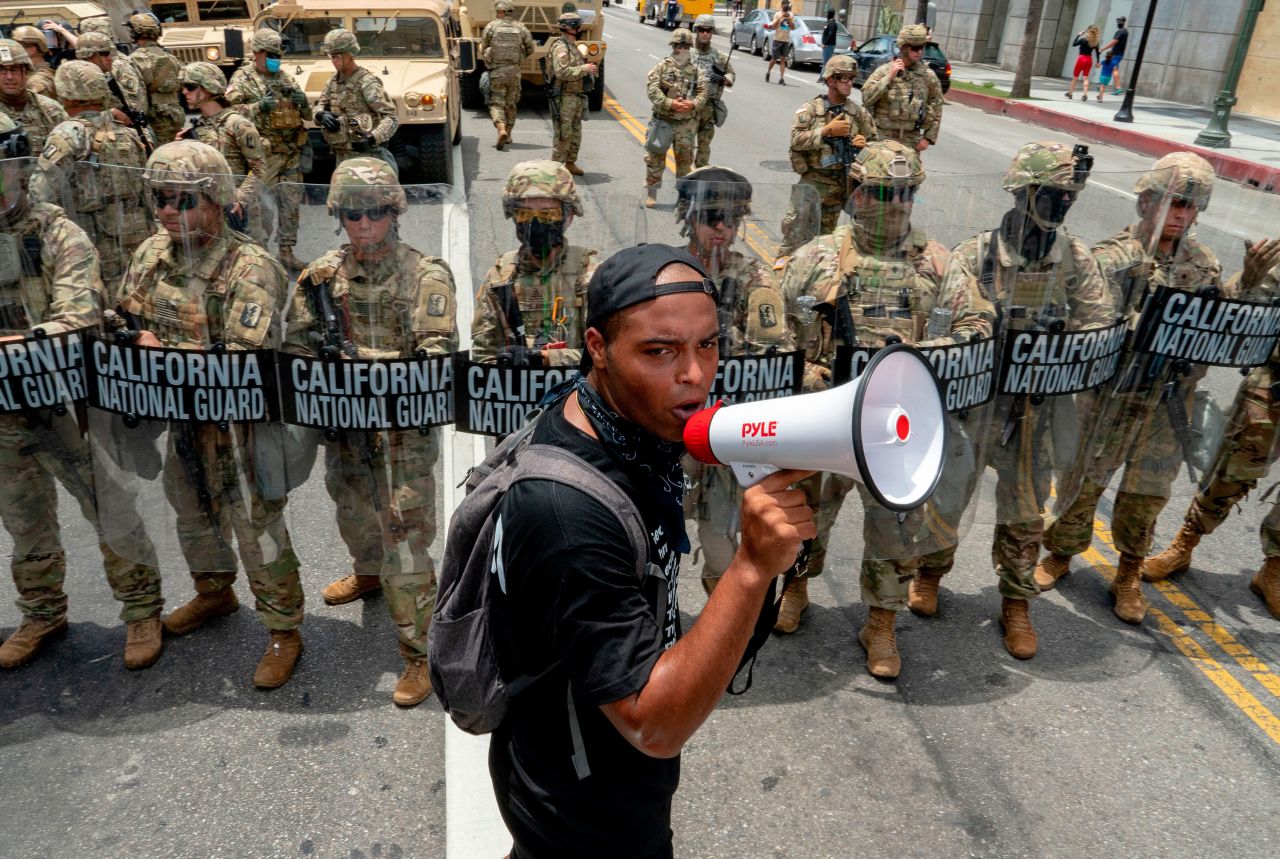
(887, 164)
(531, 179)
(207, 76)
(79, 80)
(366, 183)
(14, 142)
(93, 43)
(340, 41)
(913, 34)
(569, 21)
(28, 35)
(144, 25)
(704, 21)
(188, 165)
(1182, 176)
(267, 40)
(100, 24)
(13, 54)
(712, 188)
(681, 38)
(840, 64)
(504, 6)
(1047, 164)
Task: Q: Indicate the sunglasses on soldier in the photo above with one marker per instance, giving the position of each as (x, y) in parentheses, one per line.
(356, 215)
(101, 53)
(190, 87)
(712, 217)
(542, 216)
(704, 29)
(183, 201)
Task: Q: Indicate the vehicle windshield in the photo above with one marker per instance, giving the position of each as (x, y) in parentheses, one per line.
(175, 12)
(933, 52)
(394, 38)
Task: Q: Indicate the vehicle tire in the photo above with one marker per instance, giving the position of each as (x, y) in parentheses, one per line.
(733, 46)
(435, 158)
(595, 101)
(755, 49)
(469, 90)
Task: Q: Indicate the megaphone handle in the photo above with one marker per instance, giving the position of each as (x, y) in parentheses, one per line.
(750, 473)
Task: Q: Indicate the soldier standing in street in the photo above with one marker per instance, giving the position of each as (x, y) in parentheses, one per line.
(678, 91)
(504, 45)
(711, 205)
(35, 114)
(719, 74)
(541, 287)
(401, 303)
(277, 106)
(888, 275)
(570, 73)
(40, 80)
(161, 73)
(1131, 425)
(826, 134)
(356, 116)
(196, 284)
(50, 286)
(1246, 454)
(98, 49)
(92, 166)
(1033, 272)
(904, 96)
(231, 134)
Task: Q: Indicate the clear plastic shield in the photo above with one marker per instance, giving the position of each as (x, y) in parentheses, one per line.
(366, 383)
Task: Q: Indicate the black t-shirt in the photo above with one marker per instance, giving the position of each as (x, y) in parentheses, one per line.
(1084, 47)
(572, 595)
(829, 32)
(1122, 40)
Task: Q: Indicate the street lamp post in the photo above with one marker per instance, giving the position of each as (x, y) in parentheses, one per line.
(1125, 113)
(1216, 134)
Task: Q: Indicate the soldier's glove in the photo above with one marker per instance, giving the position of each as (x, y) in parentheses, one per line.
(859, 140)
(328, 121)
(363, 143)
(299, 98)
(267, 104)
(717, 74)
(838, 127)
(519, 357)
(1259, 258)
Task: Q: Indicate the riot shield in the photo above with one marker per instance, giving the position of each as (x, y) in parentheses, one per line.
(182, 384)
(366, 378)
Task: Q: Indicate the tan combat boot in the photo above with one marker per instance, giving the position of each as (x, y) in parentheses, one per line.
(1266, 584)
(349, 588)
(503, 136)
(1051, 568)
(202, 608)
(26, 640)
(795, 599)
(878, 640)
(143, 642)
(1174, 559)
(1019, 635)
(414, 684)
(922, 593)
(288, 260)
(573, 168)
(650, 196)
(277, 664)
(1131, 605)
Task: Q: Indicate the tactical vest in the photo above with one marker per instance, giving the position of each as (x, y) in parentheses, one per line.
(1028, 299)
(885, 298)
(35, 121)
(805, 161)
(705, 60)
(378, 309)
(169, 290)
(568, 86)
(25, 290)
(552, 309)
(347, 101)
(506, 44)
(110, 174)
(214, 131)
(752, 318)
(907, 93)
(677, 82)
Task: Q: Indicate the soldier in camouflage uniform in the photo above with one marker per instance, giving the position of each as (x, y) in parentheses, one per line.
(1132, 427)
(357, 117)
(719, 73)
(51, 283)
(231, 134)
(35, 114)
(98, 49)
(161, 74)
(904, 96)
(542, 285)
(570, 74)
(1249, 447)
(40, 80)
(1029, 270)
(504, 45)
(889, 274)
(277, 106)
(824, 131)
(711, 205)
(193, 284)
(678, 90)
(91, 164)
(401, 302)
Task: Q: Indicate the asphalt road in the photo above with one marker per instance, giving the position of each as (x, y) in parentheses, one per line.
(1157, 740)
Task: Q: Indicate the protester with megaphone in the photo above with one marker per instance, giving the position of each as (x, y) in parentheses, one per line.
(872, 282)
(711, 205)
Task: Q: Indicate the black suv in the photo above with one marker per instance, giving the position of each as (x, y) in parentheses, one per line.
(878, 50)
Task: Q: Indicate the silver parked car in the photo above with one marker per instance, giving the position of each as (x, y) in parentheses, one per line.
(806, 39)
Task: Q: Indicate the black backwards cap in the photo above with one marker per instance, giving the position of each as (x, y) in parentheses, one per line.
(628, 278)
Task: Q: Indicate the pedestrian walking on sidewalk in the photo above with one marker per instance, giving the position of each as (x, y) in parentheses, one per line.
(1087, 43)
(1115, 53)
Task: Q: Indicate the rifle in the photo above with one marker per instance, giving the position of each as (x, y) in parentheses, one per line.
(551, 91)
(843, 152)
(505, 294)
(136, 117)
(1172, 395)
(333, 343)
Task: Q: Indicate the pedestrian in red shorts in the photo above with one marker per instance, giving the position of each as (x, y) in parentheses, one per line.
(1087, 43)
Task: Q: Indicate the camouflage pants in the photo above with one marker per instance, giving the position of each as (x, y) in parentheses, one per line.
(33, 461)
(825, 494)
(683, 140)
(392, 542)
(706, 132)
(802, 221)
(244, 518)
(284, 175)
(714, 501)
(1024, 472)
(504, 95)
(567, 138)
(116, 230)
(945, 512)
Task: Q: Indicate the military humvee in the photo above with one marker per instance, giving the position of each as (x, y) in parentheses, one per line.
(216, 31)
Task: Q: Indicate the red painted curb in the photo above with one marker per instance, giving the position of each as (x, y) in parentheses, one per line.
(1262, 176)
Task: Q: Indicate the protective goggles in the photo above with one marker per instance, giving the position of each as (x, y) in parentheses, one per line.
(15, 144)
(357, 215)
(183, 201)
(190, 87)
(843, 78)
(704, 29)
(713, 217)
(889, 194)
(542, 216)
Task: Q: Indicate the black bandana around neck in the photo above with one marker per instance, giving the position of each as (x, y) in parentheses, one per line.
(653, 462)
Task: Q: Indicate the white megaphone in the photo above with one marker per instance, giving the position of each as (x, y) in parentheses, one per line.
(887, 429)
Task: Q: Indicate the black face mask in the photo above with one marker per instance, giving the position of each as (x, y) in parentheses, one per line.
(541, 239)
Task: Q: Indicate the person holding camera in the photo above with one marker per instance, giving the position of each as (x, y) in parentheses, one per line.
(780, 46)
